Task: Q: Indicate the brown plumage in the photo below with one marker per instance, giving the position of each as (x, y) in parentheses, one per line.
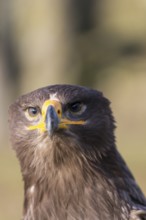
(63, 136)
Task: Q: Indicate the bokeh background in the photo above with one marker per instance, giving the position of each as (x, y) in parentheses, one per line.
(96, 43)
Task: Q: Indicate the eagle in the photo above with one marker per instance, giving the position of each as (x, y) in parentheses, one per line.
(63, 136)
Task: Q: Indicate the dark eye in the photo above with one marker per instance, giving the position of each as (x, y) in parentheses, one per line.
(76, 107)
(33, 111)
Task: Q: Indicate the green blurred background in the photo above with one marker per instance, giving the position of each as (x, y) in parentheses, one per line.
(96, 43)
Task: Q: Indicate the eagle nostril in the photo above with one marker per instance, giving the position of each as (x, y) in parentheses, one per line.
(59, 112)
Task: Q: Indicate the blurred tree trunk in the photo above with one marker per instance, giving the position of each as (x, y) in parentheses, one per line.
(66, 41)
(53, 41)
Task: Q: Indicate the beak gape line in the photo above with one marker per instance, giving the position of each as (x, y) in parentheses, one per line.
(52, 118)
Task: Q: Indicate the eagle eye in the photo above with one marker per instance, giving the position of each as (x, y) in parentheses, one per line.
(32, 112)
(76, 107)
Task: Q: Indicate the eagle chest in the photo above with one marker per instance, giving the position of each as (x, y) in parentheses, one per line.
(70, 200)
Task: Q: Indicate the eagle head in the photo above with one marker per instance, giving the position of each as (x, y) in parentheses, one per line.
(60, 121)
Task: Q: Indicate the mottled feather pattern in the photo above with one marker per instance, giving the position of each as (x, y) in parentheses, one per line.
(77, 174)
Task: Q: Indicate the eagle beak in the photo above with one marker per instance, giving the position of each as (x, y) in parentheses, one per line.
(52, 120)
(52, 111)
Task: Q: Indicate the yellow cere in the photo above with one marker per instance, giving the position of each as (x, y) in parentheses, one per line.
(63, 121)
